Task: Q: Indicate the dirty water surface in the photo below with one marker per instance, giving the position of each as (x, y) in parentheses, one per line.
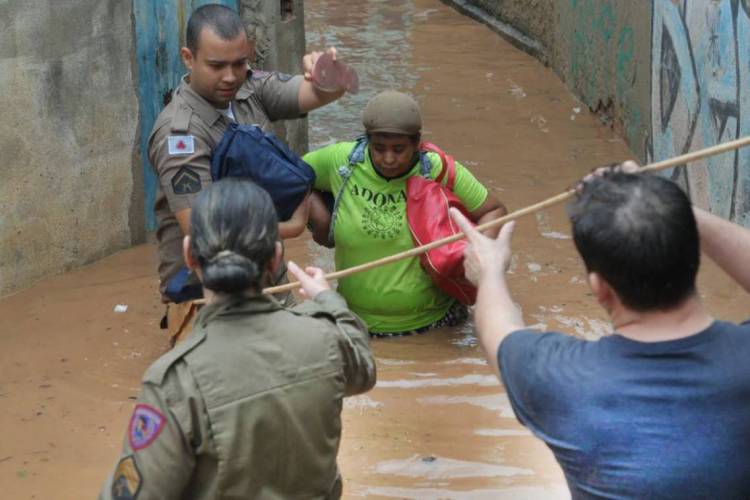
(438, 424)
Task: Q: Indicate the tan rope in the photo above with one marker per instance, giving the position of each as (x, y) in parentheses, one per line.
(661, 165)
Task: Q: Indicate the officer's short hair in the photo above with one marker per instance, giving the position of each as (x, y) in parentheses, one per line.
(220, 19)
(638, 232)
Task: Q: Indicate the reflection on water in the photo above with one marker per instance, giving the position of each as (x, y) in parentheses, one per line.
(474, 379)
(466, 361)
(517, 493)
(496, 402)
(394, 362)
(371, 36)
(361, 403)
(502, 432)
(446, 468)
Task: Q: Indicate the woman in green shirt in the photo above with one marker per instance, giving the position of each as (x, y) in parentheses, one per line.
(370, 218)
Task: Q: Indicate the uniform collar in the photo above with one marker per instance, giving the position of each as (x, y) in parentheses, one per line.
(245, 90)
(199, 105)
(238, 305)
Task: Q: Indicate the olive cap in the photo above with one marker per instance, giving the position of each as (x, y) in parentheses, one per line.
(392, 112)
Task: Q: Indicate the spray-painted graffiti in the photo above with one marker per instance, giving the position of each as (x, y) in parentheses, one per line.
(600, 30)
(700, 84)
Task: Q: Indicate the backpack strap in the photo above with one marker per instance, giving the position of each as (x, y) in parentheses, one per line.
(449, 164)
(219, 166)
(357, 155)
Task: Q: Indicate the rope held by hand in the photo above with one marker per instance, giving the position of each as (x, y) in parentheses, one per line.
(661, 165)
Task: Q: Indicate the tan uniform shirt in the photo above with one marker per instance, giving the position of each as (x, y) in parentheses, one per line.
(249, 406)
(183, 138)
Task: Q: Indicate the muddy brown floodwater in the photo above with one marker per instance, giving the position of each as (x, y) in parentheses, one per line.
(438, 424)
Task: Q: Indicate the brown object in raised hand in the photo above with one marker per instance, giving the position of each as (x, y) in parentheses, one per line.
(331, 75)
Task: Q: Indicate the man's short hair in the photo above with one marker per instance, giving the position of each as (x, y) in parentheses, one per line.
(638, 232)
(220, 19)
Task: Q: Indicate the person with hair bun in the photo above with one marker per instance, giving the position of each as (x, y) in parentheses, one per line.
(249, 404)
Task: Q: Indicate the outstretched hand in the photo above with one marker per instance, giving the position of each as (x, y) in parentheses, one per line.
(484, 257)
(312, 280)
(309, 60)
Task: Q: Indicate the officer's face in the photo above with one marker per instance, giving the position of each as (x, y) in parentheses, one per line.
(218, 68)
(392, 155)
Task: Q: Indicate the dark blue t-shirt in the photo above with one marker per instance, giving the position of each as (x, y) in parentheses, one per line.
(629, 419)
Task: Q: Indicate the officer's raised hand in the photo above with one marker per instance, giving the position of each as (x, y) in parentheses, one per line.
(312, 95)
(309, 61)
(312, 279)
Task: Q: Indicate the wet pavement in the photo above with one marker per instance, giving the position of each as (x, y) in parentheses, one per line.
(438, 424)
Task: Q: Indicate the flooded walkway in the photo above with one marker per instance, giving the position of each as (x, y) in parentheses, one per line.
(438, 424)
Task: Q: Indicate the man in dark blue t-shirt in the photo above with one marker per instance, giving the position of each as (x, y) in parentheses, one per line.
(661, 408)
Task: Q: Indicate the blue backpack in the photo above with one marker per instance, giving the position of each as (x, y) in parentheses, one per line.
(246, 151)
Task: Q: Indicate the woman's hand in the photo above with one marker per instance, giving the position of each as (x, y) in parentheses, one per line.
(312, 279)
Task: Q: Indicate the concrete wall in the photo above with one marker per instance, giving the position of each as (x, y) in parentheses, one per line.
(278, 28)
(69, 119)
(670, 76)
(79, 91)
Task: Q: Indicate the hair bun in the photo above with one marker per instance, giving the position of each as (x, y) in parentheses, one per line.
(230, 272)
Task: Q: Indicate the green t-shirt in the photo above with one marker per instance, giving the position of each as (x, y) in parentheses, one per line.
(371, 224)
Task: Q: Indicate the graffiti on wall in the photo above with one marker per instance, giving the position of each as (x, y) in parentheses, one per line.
(700, 96)
(600, 29)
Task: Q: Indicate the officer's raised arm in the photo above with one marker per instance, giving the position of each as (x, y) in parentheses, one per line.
(359, 363)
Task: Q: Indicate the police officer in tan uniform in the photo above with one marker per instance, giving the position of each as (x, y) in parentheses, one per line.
(220, 88)
(248, 406)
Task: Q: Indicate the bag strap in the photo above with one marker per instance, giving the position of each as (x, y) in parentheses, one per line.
(230, 134)
(449, 163)
(357, 155)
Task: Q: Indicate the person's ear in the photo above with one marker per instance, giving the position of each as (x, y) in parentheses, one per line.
(275, 262)
(187, 57)
(603, 293)
(187, 254)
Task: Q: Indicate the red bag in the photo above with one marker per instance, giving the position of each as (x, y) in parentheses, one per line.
(427, 204)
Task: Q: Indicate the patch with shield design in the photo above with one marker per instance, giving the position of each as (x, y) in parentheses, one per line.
(145, 426)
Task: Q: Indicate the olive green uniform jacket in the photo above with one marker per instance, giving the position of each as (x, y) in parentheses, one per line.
(248, 406)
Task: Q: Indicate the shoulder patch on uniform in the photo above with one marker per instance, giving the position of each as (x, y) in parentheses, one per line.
(145, 426)
(259, 75)
(181, 144)
(126, 482)
(186, 181)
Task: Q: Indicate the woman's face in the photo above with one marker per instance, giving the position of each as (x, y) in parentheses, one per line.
(392, 155)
